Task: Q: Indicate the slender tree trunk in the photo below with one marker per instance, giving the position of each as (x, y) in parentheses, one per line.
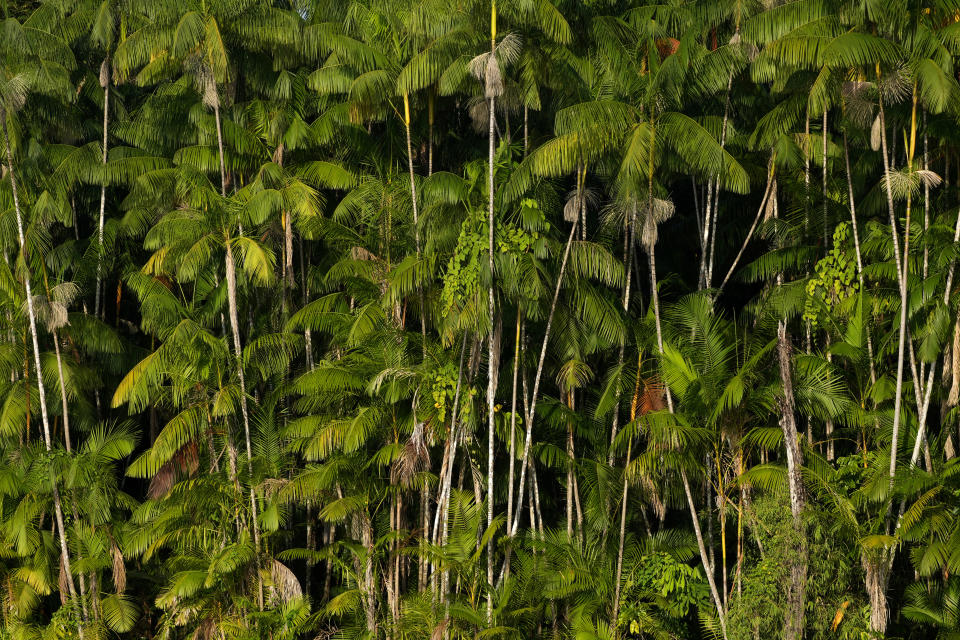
(722, 515)
(45, 420)
(238, 354)
(708, 568)
(416, 240)
(536, 381)
(796, 590)
(623, 529)
(712, 583)
(491, 343)
(526, 130)
(223, 164)
(305, 278)
(655, 301)
(877, 568)
(771, 184)
(63, 393)
(708, 502)
(629, 239)
(623, 505)
(716, 197)
(740, 507)
(430, 119)
(105, 83)
(513, 417)
(826, 227)
(926, 200)
(445, 480)
(705, 239)
(416, 213)
(369, 583)
(569, 487)
(923, 396)
(628, 245)
(901, 276)
(856, 246)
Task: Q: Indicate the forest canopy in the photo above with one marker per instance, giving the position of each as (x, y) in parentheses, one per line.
(446, 319)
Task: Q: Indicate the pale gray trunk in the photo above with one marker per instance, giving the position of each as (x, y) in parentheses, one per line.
(105, 82)
(45, 419)
(704, 558)
(513, 417)
(716, 197)
(623, 530)
(796, 590)
(901, 277)
(423, 308)
(491, 353)
(63, 393)
(826, 227)
(856, 246)
(238, 353)
(369, 583)
(717, 601)
(536, 381)
(753, 227)
(223, 165)
(655, 300)
(876, 566)
(445, 481)
(705, 238)
(927, 388)
(629, 239)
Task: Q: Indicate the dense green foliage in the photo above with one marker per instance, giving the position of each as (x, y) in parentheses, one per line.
(472, 319)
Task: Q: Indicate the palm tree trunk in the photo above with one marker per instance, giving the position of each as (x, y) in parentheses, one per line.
(826, 228)
(223, 165)
(69, 447)
(526, 129)
(703, 554)
(491, 347)
(716, 197)
(446, 474)
(105, 83)
(45, 420)
(307, 338)
(876, 565)
(623, 504)
(901, 276)
(705, 239)
(416, 240)
(796, 590)
(430, 119)
(926, 200)
(771, 182)
(513, 417)
(623, 530)
(708, 567)
(628, 244)
(369, 584)
(238, 354)
(569, 488)
(629, 239)
(63, 393)
(856, 246)
(655, 301)
(536, 381)
(925, 392)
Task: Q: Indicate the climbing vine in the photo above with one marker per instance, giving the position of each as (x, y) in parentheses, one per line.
(835, 280)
